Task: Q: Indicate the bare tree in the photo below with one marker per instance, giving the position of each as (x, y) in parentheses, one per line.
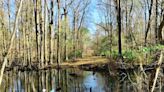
(58, 38)
(36, 29)
(51, 28)
(149, 21)
(5, 55)
(156, 22)
(118, 10)
(45, 32)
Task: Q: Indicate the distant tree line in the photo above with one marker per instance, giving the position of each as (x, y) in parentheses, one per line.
(43, 31)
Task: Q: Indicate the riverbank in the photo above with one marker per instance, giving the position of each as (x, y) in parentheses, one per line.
(94, 63)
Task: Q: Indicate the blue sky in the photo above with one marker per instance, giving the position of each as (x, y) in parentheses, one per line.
(93, 17)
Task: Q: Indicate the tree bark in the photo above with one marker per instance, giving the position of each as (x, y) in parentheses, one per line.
(119, 30)
(41, 34)
(149, 21)
(156, 23)
(58, 38)
(118, 9)
(66, 29)
(160, 30)
(74, 35)
(45, 32)
(36, 30)
(51, 30)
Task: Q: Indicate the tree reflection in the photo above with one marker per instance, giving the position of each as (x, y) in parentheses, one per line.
(70, 80)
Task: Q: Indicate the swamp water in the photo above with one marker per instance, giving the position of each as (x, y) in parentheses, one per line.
(69, 80)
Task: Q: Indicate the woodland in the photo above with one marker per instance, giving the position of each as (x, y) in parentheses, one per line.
(122, 38)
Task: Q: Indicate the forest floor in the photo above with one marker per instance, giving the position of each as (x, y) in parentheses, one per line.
(87, 61)
(97, 63)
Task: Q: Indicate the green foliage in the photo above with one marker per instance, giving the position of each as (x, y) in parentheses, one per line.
(129, 55)
(114, 54)
(77, 53)
(150, 52)
(147, 49)
(84, 31)
(104, 47)
(105, 53)
(143, 54)
(151, 48)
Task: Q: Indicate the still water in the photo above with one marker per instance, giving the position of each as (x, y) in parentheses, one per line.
(70, 80)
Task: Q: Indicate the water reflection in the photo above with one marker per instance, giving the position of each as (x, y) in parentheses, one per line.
(70, 80)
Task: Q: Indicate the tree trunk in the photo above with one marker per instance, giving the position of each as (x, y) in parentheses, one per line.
(45, 32)
(66, 29)
(58, 38)
(50, 33)
(160, 31)
(36, 30)
(74, 35)
(118, 9)
(149, 21)
(156, 23)
(41, 34)
(119, 30)
(9, 28)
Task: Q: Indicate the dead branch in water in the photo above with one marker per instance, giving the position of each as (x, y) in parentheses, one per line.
(157, 71)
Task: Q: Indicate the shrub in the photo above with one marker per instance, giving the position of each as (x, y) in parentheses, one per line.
(78, 53)
(129, 55)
